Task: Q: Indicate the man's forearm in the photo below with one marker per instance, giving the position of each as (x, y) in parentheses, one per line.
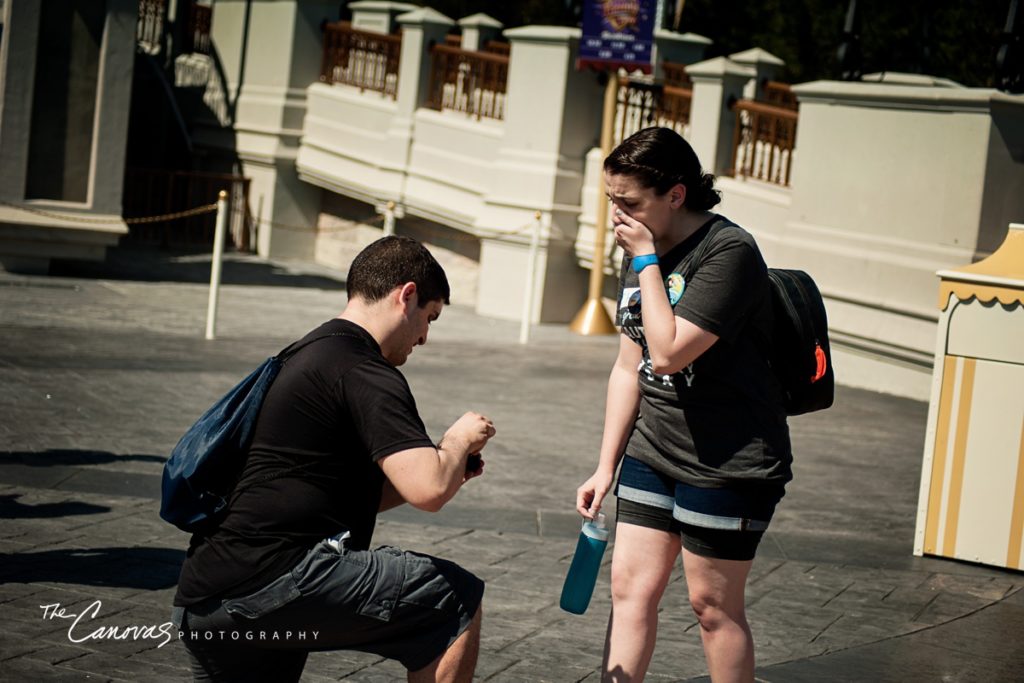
(452, 456)
(428, 477)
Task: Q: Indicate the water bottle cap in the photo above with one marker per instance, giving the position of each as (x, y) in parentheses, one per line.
(595, 528)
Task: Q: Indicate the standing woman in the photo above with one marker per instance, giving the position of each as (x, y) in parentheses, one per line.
(693, 410)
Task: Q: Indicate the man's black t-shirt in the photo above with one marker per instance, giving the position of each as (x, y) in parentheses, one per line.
(334, 410)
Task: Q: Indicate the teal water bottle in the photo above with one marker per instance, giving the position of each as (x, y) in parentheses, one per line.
(579, 582)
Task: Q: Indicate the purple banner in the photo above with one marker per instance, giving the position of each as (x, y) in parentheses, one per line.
(617, 33)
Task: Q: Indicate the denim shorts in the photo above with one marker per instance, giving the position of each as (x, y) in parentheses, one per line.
(396, 604)
(723, 523)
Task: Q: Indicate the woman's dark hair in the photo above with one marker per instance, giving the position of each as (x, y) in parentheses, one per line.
(391, 262)
(660, 158)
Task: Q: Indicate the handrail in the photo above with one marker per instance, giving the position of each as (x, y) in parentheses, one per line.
(363, 59)
(766, 108)
(675, 105)
(676, 76)
(763, 142)
(497, 47)
(484, 56)
(468, 81)
(780, 94)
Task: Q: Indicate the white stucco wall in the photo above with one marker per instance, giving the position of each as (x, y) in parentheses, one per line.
(451, 166)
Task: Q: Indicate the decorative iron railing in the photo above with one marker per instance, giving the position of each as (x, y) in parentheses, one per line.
(156, 191)
(641, 105)
(363, 59)
(149, 30)
(675, 108)
(469, 82)
(763, 142)
(200, 20)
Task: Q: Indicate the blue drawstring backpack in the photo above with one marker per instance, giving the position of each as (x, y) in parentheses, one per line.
(206, 463)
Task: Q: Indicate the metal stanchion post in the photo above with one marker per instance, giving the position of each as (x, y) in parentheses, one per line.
(389, 218)
(592, 318)
(218, 254)
(531, 273)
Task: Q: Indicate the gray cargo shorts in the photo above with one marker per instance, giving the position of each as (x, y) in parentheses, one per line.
(396, 604)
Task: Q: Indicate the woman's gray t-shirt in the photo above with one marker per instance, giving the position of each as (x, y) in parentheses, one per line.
(720, 421)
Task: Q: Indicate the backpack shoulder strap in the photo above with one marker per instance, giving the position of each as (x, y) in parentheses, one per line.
(293, 348)
(702, 248)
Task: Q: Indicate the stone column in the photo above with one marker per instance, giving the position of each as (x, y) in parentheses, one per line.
(765, 66)
(880, 203)
(678, 48)
(716, 84)
(377, 16)
(269, 53)
(21, 33)
(478, 29)
(421, 29)
(552, 120)
(29, 240)
(113, 106)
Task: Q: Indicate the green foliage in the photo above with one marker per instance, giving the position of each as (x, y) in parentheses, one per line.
(511, 13)
(948, 38)
(955, 39)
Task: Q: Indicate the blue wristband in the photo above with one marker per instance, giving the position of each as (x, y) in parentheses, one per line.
(641, 262)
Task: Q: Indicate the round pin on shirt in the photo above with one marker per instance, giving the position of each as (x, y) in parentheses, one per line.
(674, 285)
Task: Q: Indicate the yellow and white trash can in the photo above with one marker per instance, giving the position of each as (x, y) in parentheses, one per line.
(971, 503)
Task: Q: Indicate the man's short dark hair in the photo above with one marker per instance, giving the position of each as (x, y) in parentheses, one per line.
(391, 262)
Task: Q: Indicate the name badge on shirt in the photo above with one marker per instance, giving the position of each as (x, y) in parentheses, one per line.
(675, 285)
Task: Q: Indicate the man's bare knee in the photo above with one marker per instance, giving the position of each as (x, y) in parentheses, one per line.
(458, 662)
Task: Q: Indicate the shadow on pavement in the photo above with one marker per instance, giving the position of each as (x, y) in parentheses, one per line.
(53, 457)
(149, 264)
(142, 568)
(10, 508)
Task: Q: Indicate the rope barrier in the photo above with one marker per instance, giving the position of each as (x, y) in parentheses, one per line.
(531, 230)
(72, 218)
(209, 208)
(377, 219)
(455, 235)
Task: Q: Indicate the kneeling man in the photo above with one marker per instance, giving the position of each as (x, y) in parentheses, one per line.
(288, 569)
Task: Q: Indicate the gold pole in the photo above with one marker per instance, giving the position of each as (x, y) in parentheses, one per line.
(592, 319)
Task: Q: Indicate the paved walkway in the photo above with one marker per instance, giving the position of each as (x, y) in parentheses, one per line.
(102, 369)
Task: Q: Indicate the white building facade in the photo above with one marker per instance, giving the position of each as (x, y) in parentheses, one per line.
(472, 144)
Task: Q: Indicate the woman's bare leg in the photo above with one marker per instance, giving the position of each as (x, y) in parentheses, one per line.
(642, 562)
(717, 595)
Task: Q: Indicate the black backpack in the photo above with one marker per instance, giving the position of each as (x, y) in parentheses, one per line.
(800, 355)
(206, 463)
